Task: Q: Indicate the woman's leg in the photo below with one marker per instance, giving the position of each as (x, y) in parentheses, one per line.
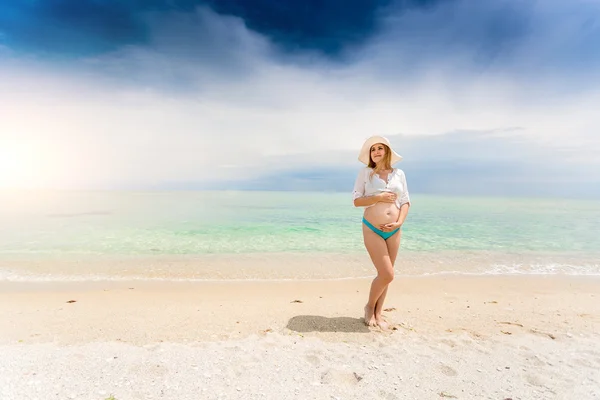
(378, 251)
(393, 244)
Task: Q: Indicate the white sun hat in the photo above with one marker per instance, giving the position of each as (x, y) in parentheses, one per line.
(365, 152)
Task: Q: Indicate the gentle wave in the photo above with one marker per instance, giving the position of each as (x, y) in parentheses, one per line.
(496, 270)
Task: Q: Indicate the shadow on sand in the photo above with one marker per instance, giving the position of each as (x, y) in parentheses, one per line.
(315, 323)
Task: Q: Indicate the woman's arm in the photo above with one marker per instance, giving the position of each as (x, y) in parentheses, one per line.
(403, 213)
(366, 201)
(404, 201)
(404, 206)
(359, 191)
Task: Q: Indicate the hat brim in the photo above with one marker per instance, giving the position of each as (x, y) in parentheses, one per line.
(365, 152)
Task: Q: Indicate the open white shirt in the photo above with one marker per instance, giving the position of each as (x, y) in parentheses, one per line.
(367, 185)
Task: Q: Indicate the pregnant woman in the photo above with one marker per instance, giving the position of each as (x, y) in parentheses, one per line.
(382, 190)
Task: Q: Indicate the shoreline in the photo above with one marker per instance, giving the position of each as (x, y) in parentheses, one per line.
(285, 266)
(166, 282)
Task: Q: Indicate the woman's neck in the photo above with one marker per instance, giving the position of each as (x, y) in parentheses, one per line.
(381, 168)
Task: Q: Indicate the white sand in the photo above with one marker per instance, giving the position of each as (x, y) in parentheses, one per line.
(465, 338)
(284, 367)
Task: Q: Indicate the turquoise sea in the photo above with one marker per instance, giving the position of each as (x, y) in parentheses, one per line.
(230, 234)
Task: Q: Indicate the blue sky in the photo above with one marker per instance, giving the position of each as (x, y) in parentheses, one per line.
(495, 97)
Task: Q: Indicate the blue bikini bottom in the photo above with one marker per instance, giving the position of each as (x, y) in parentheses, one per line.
(384, 235)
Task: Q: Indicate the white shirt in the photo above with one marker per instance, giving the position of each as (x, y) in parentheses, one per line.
(367, 185)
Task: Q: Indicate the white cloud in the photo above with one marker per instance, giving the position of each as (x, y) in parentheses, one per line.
(189, 109)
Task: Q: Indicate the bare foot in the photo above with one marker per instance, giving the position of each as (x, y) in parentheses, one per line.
(382, 323)
(370, 316)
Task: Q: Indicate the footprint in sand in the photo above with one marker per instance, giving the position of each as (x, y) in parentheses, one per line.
(314, 360)
(536, 361)
(387, 396)
(447, 370)
(449, 342)
(156, 371)
(534, 380)
(584, 363)
(332, 376)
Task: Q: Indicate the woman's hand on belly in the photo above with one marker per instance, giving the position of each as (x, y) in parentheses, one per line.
(390, 227)
(387, 197)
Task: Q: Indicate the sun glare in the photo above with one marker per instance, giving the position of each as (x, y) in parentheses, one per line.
(17, 168)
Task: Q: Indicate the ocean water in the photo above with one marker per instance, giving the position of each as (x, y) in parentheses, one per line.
(282, 235)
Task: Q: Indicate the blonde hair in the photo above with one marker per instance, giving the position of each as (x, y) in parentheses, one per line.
(387, 159)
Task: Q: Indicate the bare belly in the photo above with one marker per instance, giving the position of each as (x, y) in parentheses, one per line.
(382, 213)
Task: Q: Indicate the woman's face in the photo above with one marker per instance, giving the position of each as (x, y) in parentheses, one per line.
(377, 152)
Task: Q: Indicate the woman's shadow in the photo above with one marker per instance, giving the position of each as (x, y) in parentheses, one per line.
(315, 323)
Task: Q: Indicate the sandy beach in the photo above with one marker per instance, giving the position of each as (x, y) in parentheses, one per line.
(462, 337)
